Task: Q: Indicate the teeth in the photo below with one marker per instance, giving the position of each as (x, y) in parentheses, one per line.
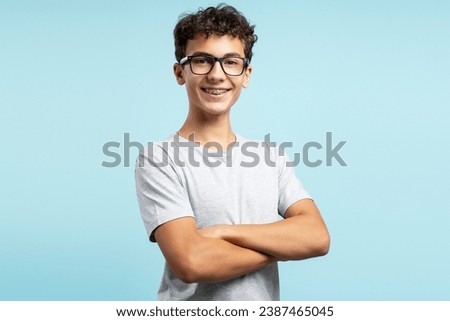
(215, 91)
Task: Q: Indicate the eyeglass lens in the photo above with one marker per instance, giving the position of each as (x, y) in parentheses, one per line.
(233, 66)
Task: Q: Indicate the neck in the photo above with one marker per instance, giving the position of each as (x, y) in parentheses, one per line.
(215, 128)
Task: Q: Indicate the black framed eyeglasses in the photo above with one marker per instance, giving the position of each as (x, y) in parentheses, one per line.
(203, 64)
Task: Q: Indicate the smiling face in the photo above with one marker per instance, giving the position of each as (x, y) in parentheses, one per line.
(216, 92)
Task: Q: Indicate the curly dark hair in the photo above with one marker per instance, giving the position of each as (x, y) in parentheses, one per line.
(220, 20)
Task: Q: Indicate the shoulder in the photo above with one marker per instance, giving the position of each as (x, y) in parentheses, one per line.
(156, 153)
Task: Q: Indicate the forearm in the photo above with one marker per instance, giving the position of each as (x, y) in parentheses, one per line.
(294, 238)
(214, 260)
(301, 235)
(194, 257)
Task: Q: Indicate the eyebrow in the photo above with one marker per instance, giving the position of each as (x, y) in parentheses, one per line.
(202, 53)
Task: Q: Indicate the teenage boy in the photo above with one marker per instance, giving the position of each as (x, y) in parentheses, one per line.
(222, 213)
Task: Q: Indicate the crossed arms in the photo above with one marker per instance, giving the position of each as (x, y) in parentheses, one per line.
(223, 252)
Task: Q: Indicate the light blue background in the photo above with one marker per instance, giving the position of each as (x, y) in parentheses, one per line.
(77, 74)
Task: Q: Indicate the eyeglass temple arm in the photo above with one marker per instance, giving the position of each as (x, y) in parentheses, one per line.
(183, 60)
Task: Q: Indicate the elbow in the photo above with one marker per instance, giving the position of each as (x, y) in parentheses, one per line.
(187, 277)
(322, 246)
(315, 247)
(187, 270)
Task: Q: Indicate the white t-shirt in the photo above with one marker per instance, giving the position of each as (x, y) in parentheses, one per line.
(250, 183)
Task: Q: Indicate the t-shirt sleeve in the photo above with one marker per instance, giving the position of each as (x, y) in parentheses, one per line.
(290, 189)
(160, 192)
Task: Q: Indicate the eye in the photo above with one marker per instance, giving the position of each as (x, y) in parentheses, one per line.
(200, 60)
(232, 61)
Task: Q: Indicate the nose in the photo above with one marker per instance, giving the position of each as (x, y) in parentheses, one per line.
(216, 72)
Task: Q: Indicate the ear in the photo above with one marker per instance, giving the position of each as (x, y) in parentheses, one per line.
(247, 73)
(179, 73)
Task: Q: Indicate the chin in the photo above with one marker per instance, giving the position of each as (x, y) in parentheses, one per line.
(217, 110)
